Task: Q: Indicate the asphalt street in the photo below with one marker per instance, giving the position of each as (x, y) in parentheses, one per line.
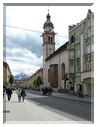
(74, 109)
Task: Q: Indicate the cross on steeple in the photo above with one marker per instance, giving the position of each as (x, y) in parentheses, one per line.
(48, 9)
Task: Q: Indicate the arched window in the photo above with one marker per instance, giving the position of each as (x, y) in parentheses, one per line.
(51, 39)
(72, 39)
(63, 70)
(48, 39)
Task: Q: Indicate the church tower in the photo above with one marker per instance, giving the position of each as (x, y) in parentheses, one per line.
(48, 42)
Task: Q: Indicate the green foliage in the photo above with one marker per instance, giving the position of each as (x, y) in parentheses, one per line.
(11, 78)
(4, 83)
(35, 82)
(38, 81)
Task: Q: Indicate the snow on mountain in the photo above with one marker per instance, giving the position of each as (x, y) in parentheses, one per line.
(21, 76)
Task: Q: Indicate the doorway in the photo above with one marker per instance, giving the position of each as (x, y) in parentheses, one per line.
(80, 87)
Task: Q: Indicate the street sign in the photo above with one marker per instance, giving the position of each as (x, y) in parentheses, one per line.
(69, 82)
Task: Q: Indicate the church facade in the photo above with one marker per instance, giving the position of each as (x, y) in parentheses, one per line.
(55, 63)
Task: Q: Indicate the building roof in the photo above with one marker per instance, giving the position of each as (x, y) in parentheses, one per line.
(59, 50)
(7, 66)
(4, 64)
(73, 27)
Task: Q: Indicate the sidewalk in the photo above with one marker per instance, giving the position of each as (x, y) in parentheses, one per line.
(67, 96)
(30, 113)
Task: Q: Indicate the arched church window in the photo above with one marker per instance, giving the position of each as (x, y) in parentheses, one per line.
(51, 39)
(63, 70)
(48, 39)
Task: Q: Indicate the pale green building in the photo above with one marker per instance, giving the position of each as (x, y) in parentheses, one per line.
(81, 56)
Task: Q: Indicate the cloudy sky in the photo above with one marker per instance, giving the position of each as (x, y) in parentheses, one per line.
(24, 46)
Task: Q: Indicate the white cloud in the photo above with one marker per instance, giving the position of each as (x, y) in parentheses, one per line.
(33, 18)
(23, 62)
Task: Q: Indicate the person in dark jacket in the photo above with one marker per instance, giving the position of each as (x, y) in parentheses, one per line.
(23, 94)
(9, 93)
(3, 93)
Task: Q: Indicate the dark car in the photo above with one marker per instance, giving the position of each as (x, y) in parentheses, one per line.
(12, 89)
(47, 90)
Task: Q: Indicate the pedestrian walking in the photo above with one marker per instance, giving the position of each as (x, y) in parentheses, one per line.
(19, 95)
(9, 93)
(3, 92)
(81, 95)
(23, 94)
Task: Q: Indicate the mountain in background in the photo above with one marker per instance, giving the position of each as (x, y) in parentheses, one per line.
(21, 76)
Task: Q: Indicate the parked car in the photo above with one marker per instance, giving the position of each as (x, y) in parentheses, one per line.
(33, 88)
(47, 90)
(12, 89)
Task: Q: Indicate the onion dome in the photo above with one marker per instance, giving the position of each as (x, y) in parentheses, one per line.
(48, 22)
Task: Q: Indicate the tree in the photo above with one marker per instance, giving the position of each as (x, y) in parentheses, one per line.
(35, 82)
(11, 78)
(4, 83)
(38, 81)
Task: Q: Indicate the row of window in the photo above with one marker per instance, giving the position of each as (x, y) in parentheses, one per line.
(78, 51)
(88, 48)
(89, 33)
(72, 69)
(87, 67)
(49, 39)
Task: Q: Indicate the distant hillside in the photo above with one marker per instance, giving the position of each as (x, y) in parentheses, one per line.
(21, 76)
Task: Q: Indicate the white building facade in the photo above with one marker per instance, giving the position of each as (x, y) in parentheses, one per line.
(58, 59)
(55, 63)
